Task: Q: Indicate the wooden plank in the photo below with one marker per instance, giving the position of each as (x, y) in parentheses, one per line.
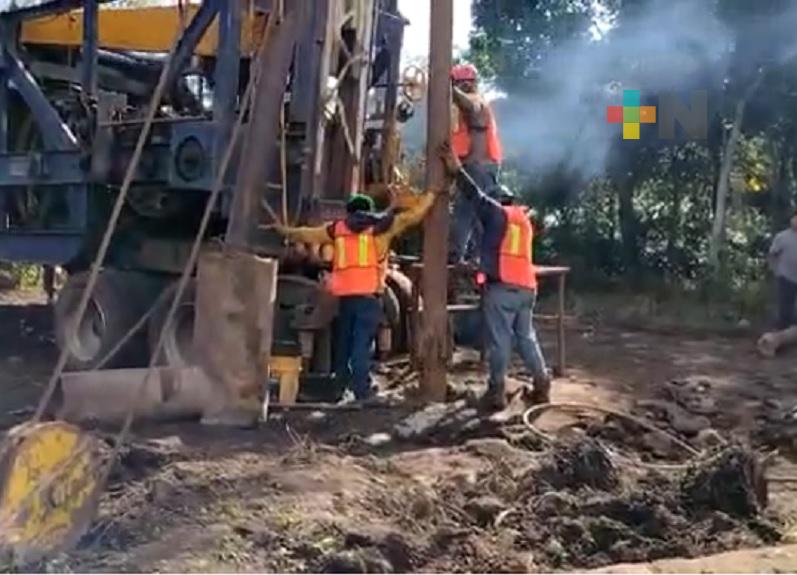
(433, 340)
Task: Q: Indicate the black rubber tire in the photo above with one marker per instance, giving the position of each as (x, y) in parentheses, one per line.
(177, 348)
(113, 309)
(400, 338)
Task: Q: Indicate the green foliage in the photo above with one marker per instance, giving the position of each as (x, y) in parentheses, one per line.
(645, 222)
(20, 276)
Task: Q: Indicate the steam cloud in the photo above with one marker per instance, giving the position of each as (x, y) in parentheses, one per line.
(559, 121)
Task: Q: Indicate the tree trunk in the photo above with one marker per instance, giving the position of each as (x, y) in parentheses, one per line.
(720, 212)
(780, 193)
(629, 228)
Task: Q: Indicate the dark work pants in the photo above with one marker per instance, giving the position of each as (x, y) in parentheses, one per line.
(356, 328)
(787, 297)
(465, 224)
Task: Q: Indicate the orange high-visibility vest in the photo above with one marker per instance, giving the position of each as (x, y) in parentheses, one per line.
(515, 265)
(460, 137)
(355, 268)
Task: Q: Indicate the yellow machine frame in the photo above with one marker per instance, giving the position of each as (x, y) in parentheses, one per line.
(151, 29)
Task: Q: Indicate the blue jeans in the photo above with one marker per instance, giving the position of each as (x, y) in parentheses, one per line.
(507, 316)
(464, 220)
(355, 331)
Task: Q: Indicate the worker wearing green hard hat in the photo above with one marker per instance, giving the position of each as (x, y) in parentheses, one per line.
(361, 244)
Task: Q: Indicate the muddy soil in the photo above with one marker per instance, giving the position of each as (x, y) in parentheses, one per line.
(311, 492)
(483, 507)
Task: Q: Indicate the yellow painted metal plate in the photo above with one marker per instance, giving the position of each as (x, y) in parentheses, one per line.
(49, 488)
(151, 29)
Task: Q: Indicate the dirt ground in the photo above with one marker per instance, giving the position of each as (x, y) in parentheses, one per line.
(351, 492)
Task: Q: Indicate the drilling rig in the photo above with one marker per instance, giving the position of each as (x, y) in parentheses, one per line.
(75, 82)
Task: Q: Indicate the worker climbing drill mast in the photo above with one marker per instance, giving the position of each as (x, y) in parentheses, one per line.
(475, 141)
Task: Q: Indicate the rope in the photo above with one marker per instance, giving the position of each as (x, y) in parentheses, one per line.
(340, 106)
(186, 274)
(284, 166)
(534, 412)
(96, 265)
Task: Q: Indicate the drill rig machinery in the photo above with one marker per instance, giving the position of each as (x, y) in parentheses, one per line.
(75, 80)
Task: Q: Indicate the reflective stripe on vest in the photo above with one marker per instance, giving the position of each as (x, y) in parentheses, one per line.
(515, 263)
(355, 268)
(460, 137)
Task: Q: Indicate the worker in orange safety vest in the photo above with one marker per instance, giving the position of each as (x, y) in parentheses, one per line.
(361, 244)
(475, 142)
(509, 290)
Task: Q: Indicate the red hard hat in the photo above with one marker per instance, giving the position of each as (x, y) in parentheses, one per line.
(464, 72)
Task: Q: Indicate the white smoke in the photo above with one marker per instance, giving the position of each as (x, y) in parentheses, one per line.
(561, 121)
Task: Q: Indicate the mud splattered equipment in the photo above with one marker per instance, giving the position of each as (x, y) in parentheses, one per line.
(49, 489)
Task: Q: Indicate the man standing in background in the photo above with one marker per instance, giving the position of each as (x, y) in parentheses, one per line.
(783, 262)
(475, 142)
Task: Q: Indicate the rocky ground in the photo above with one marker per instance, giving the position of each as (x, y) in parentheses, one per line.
(389, 490)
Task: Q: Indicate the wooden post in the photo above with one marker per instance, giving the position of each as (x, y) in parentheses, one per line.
(433, 339)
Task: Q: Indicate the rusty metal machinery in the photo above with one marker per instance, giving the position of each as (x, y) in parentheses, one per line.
(78, 141)
(75, 78)
(49, 489)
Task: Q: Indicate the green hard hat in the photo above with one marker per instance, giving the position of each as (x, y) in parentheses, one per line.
(360, 203)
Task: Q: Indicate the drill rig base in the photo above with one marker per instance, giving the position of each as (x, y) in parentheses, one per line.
(49, 489)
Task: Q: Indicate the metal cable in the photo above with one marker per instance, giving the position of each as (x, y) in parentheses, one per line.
(218, 185)
(96, 265)
(121, 436)
(532, 413)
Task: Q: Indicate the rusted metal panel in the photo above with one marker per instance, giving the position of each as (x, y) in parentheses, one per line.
(236, 293)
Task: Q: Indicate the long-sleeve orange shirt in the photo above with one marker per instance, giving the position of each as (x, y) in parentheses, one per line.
(400, 224)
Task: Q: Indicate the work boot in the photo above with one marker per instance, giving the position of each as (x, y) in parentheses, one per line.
(493, 400)
(542, 390)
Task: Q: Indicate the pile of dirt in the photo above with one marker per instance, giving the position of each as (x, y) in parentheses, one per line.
(569, 507)
(578, 509)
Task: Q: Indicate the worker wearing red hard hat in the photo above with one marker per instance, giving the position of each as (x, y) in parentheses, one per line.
(475, 142)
